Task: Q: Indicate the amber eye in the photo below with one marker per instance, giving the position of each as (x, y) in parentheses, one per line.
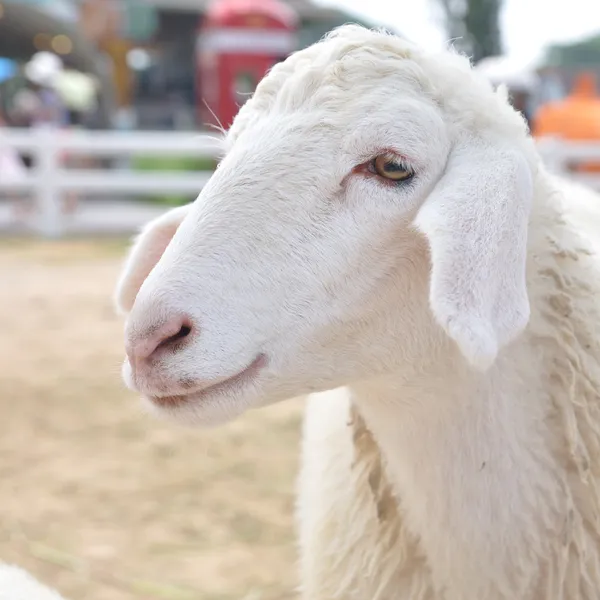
(390, 167)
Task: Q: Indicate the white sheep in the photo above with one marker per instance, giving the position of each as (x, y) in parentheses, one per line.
(18, 584)
(381, 227)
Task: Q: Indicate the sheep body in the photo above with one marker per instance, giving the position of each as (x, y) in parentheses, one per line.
(355, 542)
(18, 584)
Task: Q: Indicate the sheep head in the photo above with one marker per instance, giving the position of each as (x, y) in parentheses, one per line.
(370, 214)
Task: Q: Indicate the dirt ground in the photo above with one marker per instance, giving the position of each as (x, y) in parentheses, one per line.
(103, 501)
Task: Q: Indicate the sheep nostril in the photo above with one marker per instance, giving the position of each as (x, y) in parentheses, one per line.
(183, 332)
(170, 335)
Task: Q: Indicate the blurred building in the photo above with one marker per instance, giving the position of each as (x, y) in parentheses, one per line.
(143, 51)
(28, 26)
(155, 55)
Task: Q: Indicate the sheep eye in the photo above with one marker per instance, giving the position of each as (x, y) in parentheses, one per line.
(389, 167)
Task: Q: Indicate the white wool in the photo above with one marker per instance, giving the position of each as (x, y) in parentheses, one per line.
(453, 318)
(18, 584)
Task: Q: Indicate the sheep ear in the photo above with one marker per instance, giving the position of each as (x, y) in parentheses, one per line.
(146, 251)
(476, 222)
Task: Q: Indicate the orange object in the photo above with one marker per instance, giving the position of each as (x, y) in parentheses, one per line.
(575, 118)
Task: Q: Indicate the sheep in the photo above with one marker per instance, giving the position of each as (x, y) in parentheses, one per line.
(18, 584)
(382, 236)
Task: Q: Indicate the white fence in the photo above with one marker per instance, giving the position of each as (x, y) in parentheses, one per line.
(561, 156)
(50, 179)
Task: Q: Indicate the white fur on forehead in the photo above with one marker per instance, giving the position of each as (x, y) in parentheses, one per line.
(353, 59)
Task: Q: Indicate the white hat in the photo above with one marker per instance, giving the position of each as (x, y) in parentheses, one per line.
(43, 67)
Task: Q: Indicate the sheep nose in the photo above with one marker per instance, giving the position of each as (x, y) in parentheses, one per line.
(170, 335)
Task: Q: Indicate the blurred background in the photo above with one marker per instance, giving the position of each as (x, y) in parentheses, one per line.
(110, 113)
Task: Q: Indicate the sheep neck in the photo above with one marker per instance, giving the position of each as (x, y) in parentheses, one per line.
(467, 456)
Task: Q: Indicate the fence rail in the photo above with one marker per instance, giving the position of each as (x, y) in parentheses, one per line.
(49, 180)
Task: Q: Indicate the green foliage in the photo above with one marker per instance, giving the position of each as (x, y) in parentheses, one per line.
(174, 164)
(585, 53)
(474, 26)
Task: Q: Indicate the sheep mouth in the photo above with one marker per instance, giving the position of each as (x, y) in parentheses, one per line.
(230, 385)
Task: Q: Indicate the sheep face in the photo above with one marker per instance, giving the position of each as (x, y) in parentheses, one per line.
(311, 256)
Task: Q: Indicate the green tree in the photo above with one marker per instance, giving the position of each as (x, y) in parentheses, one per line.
(584, 53)
(473, 26)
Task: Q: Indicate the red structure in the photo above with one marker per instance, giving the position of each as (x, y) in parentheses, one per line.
(239, 40)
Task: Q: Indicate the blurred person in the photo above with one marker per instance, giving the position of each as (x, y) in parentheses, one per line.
(13, 170)
(35, 104)
(38, 104)
(78, 93)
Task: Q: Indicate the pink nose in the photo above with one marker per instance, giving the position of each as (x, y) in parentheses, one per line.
(166, 336)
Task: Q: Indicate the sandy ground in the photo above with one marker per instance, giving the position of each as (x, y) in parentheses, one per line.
(103, 501)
